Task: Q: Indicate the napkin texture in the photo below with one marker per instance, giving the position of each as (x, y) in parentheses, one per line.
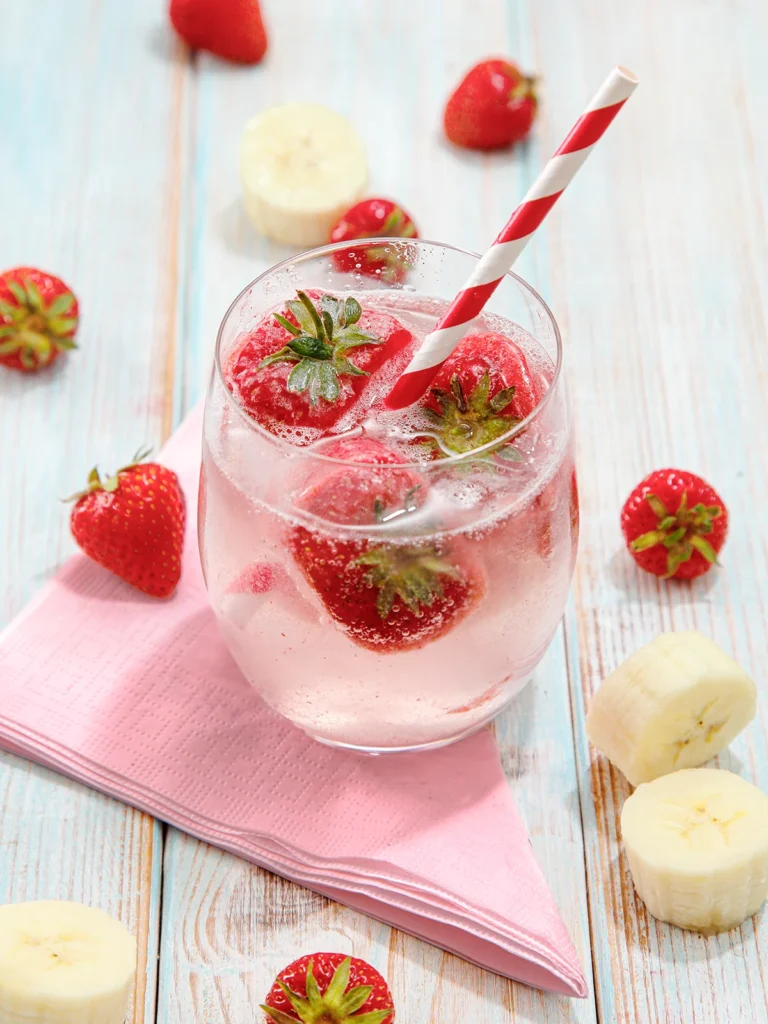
(139, 698)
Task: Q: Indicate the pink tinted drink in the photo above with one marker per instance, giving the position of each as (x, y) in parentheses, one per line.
(382, 587)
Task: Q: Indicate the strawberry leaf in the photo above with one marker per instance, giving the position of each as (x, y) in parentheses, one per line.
(283, 356)
(325, 316)
(278, 1016)
(353, 339)
(34, 298)
(374, 1017)
(299, 310)
(657, 505)
(61, 304)
(502, 399)
(310, 308)
(18, 293)
(315, 348)
(62, 325)
(299, 377)
(334, 307)
(354, 999)
(648, 540)
(329, 387)
(286, 323)
(352, 310)
(342, 365)
(705, 549)
(338, 983)
(300, 1005)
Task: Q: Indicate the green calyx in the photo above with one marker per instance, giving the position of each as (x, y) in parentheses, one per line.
(110, 483)
(412, 574)
(395, 264)
(334, 1006)
(525, 88)
(681, 532)
(33, 330)
(465, 423)
(322, 336)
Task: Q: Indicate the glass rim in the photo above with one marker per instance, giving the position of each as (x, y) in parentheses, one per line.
(447, 460)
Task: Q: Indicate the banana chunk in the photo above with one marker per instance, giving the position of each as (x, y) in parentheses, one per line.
(301, 167)
(675, 703)
(697, 845)
(63, 963)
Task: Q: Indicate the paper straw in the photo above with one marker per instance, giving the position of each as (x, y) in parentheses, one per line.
(513, 238)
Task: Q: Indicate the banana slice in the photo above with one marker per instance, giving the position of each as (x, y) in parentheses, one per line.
(697, 845)
(63, 963)
(301, 167)
(673, 704)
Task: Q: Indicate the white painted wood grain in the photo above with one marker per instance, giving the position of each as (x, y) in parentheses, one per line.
(658, 274)
(89, 167)
(61, 841)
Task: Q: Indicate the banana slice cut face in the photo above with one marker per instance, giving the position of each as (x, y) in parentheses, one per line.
(301, 166)
(697, 845)
(63, 963)
(673, 704)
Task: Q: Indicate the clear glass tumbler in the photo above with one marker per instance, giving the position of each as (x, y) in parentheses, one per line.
(401, 601)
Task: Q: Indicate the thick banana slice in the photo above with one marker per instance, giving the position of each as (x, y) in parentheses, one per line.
(697, 845)
(673, 704)
(63, 963)
(301, 167)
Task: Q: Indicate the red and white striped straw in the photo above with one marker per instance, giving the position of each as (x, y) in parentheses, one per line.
(513, 238)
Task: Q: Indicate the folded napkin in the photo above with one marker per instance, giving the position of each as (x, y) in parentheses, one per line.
(139, 698)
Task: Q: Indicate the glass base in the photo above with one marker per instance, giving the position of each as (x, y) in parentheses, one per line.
(433, 744)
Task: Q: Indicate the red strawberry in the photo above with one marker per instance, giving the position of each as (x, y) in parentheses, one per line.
(329, 988)
(38, 319)
(674, 524)
(306, 366)
(493, 106)
(388, 595)
(133, 524)
(480, 393)
(232, 29)
(373, 218)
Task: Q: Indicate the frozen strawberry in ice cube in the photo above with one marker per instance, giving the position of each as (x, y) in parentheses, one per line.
(482, 391)
(307, 365)
(389, 592)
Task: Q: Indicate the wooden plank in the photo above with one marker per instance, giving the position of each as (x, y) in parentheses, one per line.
(659, 272)
(61, 841)
(227, 926)
(92, 133)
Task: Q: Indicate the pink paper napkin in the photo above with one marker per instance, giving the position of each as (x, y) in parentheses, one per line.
(139, 698)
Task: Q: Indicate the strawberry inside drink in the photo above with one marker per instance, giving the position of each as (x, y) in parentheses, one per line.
(385, 580)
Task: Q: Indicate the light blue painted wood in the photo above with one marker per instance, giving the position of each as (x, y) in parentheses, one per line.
(659, 268)
(90, 102)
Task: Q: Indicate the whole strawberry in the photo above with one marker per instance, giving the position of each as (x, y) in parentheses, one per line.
(232, 29)
(374, 218)
(674, 524)
(492, 107)
(306, 366)
(481, 392)
(391, 593)
(132, 523)
(329, 988)
(38, 319)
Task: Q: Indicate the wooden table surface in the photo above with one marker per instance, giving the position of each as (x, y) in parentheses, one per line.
(118, 166)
